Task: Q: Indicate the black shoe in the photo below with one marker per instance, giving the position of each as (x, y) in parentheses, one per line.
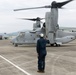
(41, 71)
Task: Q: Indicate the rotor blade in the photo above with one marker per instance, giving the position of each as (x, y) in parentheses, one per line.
(27, 19)
(32, 19)
(59, 5)
(32, 8)
(42, 18)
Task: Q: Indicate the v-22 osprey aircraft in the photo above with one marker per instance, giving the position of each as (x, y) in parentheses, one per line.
(50, 28)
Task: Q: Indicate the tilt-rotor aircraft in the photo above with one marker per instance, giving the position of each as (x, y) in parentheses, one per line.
(50, 28)
(30, 37)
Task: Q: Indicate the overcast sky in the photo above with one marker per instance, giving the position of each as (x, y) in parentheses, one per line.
(8, 18)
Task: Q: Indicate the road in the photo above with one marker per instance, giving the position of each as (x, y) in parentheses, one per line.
(22, 60)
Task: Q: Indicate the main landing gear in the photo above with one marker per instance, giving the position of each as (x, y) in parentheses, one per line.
(55, 45)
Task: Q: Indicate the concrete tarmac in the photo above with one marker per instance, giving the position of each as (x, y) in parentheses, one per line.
(22, 60)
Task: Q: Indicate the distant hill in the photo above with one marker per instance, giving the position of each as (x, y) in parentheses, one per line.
(72, 29)
(13, 34)
(61, 28)
(16, 33)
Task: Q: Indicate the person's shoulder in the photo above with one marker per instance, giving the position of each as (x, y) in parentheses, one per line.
(44, 39)
(38, 40)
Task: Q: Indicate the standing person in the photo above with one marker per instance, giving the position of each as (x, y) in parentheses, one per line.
(41, 51)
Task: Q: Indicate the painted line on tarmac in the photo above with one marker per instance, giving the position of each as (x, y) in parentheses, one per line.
(15, 65)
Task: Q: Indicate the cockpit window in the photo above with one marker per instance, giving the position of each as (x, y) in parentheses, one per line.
(22, 34)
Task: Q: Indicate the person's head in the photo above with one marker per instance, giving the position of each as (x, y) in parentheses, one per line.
(41, 35)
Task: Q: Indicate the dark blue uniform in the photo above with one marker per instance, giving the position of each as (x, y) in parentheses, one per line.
(41, 50)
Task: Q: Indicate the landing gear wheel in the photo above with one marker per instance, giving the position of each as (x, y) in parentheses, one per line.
(52, 45)
(16, 45)
(57, 45)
